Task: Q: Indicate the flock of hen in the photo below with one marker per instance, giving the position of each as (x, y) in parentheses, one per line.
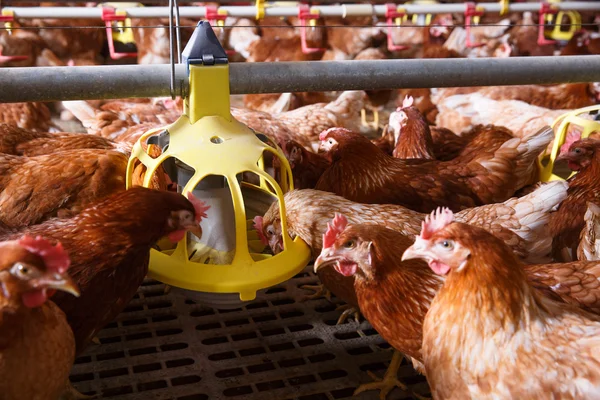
(496, 294)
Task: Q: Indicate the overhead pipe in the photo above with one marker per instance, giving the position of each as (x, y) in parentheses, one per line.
(123, 81)
(343, 10)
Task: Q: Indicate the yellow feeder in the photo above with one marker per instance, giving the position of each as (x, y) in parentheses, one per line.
(208, 151)
(560, 126)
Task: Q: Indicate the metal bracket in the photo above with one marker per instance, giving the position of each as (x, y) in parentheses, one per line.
(110, 15)
(306, 13)
(545, 9)
(473, 14)
(217, 17)
(394, 16)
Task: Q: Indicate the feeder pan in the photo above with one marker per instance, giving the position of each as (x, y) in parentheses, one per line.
(209, 153)
(560, 126)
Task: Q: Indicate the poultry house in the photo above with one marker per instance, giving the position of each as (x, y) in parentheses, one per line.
(366, 163)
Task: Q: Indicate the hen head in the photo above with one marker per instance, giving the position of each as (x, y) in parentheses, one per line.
(580, 153)
(183, 220)
(269, 229)
(34, 269)
(399, 118)
(335, 139)
(439, 246)
(346, 249)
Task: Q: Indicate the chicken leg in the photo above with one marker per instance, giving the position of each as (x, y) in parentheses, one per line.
(389, 381)
(348, 310)
(319, 291)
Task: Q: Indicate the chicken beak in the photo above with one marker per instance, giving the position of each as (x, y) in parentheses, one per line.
(64, 283)
(195, 229)
(412, 252)
(325, 259)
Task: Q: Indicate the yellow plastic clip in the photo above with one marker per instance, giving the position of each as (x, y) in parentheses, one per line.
(503, 7)
(550, 17)
(560, 126)
(573, 25)
(374, 124)
(260, 9)
(8, 17)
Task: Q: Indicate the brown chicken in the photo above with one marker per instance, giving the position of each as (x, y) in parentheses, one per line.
(32, 116)
(37, 347)
(350, 36)
(23, 142)
(411, 133)
(307, 167)
(589, 240)
(488, 331)
(395, 294)
(520, 222)
(566, 224)
(109, 243)
(304, 124)
(553, 97)
(72, 180)
(523, 38)
(151, 37)
(363, 173)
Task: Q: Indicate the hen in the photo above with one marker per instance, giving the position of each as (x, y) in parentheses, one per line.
(32, 116)
(520, 222)
(71, 181)
(110, 244)
(568, 221)
(394, 294)
(488, 331)
(37, 347)
(307, 167)
(411, 133)
(363, 173)
(589, 240)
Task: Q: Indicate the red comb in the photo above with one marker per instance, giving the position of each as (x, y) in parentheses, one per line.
(258, 225)
(323, 135)
(55, 257)
(334, 228)
(438, 219)
(571, 138)
(199, 206)
(408, 101)
(71, 63)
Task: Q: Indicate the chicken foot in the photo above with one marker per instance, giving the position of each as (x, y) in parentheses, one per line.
(319, 291)
(389, 381)
(347, 310)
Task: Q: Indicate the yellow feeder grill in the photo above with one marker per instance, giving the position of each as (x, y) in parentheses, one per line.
(560, 126)
(213, 145)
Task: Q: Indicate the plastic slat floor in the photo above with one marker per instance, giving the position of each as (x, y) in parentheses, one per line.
(277, 347)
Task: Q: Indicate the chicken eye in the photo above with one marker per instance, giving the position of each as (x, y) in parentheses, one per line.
(577, 151)
(330, 141)
(446, 244)
(270, 231)
(349, 244)
(21, 271)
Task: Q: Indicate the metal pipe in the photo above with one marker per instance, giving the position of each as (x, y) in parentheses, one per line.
(114, 82)
(325, 11)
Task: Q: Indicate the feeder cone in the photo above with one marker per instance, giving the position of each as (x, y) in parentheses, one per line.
(209, 153)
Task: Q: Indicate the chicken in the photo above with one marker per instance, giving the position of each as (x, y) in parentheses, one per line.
(307, 167)
(123, 121)
(555, 97)
(350, 36)
(304, 124)
(37, 348)
(411, 133)
(488, 332)
(151, 37)
(72, 180)
(523, 38)
(461, 112)
(363, 173)
(589, 241)
(395, 294)
(520, 222)
(20, 42)
(568, 221)
(32, 116)
(22, 142)
(109, 243)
